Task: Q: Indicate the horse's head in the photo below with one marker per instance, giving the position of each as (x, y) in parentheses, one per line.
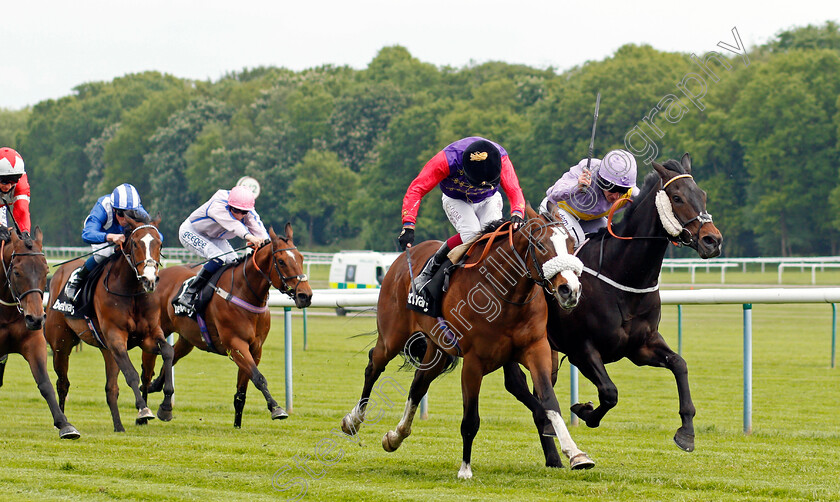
(682, 209)
(287, 268)
(142, 248)
(26, 274)
(553, 264)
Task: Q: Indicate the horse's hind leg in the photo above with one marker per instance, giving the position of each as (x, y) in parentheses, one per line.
(657, 353)
(517, 385)
(434, 363)
(378, 358)
(34, 350)
(62, 345)
(538, 360)
(181, 348)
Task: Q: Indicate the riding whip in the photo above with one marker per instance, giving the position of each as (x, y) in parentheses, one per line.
(592, 139)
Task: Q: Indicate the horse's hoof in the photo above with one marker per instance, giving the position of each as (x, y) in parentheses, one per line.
(164, 414)
(279, 414)
(140, 421)
(68, 432)
(581, 461)
(391, 441)
(465, 472)
(347, 426)
(684, 440)
(120, 428)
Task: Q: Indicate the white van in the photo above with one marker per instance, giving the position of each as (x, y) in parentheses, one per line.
(359, 269)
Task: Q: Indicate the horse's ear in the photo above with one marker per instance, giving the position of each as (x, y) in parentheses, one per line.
(38, 235)
(157, 220)
(529, 212)
(664, 173)
(686, 163)
(271, 233)
(288, 230)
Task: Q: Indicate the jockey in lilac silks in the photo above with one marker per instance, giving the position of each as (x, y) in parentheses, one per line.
(582, 207)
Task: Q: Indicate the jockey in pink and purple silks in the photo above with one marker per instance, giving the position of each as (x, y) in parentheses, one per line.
(469, 173)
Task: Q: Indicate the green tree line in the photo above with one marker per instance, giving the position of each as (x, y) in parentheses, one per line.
(334, 148)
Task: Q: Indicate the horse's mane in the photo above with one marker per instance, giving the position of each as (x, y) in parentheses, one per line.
(652, 182)
(138, 216)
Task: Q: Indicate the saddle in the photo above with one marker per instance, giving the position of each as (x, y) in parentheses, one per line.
(429, 299)
(82, 308)
(204, 296)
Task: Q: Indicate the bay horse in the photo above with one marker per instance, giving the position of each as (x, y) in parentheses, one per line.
(619, 315)
(124, 315)
(494, 312)
(24, 277)
(236, 321)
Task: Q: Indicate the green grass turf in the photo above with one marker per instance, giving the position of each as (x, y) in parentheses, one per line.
(792, 454)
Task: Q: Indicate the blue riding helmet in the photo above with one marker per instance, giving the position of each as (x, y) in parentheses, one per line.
(126, 197)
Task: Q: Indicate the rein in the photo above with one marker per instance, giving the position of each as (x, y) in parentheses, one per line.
(286, 288)
(7, 270)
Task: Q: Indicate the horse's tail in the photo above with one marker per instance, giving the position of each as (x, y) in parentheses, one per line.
(414, 351)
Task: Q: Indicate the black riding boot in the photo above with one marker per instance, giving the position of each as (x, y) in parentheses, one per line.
(71, 289)
(431, 267)
(190, 295)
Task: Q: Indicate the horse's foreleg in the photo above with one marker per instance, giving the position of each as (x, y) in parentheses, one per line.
(434, 362)
(61, 364)
(35, 353)
(3, 359)
(471, 377)
(239, 398)
(657, 353)
(592, 367)
(112, 388)
(538, 360)
(241, 355)
(167, 354)
(517, 385)
(378, 358)
(132, 378)
(147, 371)
(181, 348)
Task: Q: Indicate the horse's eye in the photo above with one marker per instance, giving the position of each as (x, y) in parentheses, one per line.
(677, 199)
(281, 263)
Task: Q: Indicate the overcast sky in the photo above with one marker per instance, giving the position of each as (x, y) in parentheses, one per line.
(50, 46)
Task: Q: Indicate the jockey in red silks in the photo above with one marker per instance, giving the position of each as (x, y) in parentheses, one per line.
(469, 173)
(14, 191)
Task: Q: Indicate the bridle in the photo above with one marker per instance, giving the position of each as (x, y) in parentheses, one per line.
(672, 223)
(286, 289)
(545, 271)
(16, 298)
(135, 266)
(677, 230)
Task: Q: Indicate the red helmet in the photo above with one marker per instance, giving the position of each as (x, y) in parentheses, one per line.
(241, 198)
(11, 163)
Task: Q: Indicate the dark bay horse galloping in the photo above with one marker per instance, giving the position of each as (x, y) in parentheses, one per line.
(24, 277)
(236, 324)
(493, 313)
(125, 315)
(618, 316)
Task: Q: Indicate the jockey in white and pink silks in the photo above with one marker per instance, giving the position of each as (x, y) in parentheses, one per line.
(205, 232)
(469, 173)
(582, 207)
